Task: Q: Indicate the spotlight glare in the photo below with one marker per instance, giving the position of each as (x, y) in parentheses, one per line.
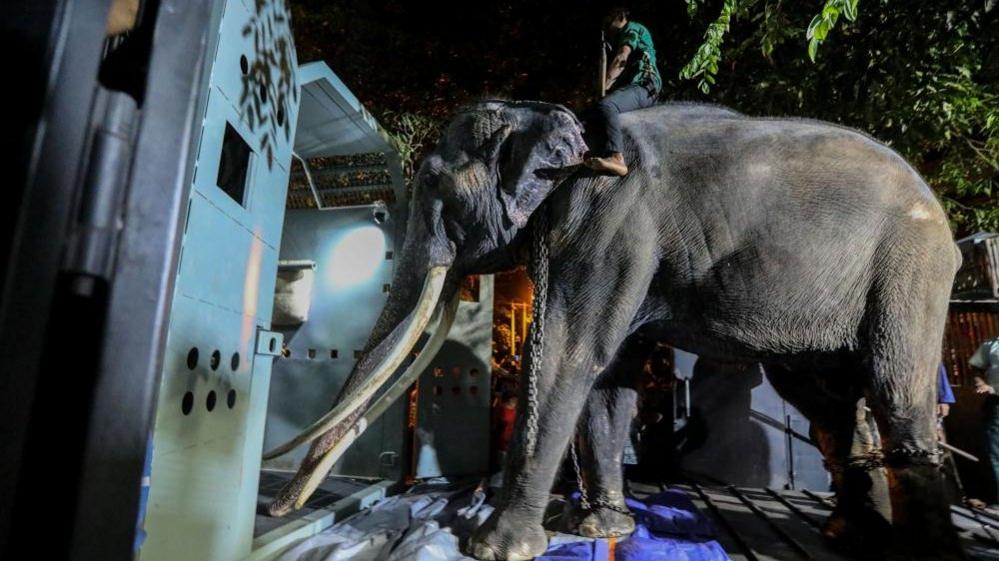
(356, 257)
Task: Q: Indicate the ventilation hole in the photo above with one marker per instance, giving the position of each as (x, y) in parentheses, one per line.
(456, 371)
(438, 372)
(234, 362)
(210, 401)
(272, 345)
(263, 93)
(386, 288)
(474, 390)
(456, 390)
(437, 390)
(388, 255)
(192, 358)
(473, 372)
(280, 116)
(358, 355)
(234, 165)
(312, 353)
(187, 403)
(216, 359)
(244, 65)
(334, 353)
(230, 399)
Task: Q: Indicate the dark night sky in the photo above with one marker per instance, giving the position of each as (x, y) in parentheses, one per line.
(433, 56)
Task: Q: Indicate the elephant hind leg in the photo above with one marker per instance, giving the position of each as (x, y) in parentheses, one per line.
(832, 401)
(905, 343)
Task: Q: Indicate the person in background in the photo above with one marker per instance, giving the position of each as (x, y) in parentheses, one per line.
(945, 394)
(986, 359)
(504, 415)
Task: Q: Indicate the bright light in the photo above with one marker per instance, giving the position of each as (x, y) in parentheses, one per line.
(356, 257)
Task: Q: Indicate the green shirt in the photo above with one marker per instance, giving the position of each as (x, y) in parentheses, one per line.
(641, 66)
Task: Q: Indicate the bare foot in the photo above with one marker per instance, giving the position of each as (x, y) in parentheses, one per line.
(611, 165)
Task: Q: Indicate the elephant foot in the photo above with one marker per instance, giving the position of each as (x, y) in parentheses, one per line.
(860, 537)
(921, 518)
(603, 522)
(506, 536)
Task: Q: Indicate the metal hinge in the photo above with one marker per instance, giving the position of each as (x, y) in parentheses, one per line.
(269, 343)
(94, 236)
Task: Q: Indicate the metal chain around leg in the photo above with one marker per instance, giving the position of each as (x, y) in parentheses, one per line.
(584, 500)
(539, 273)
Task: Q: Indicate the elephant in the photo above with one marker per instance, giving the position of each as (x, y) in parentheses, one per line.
(805, 246)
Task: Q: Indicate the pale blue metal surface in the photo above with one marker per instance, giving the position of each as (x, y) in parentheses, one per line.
(349, 250)
(332, 122)
(212, 400)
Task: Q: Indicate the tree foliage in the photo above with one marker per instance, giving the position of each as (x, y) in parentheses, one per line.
(412, 134)
(920, 76)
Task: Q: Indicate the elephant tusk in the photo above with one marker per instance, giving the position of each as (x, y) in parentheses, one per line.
(421, 317)
(396, 391)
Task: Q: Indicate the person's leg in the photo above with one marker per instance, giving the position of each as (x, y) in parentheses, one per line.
(610, 158)
(992, 437)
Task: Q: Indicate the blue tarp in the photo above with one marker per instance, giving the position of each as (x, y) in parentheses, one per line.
(668, 527)
(428, 525)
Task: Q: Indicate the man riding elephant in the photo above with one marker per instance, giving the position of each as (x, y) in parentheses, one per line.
(804, 246)
(632, 82)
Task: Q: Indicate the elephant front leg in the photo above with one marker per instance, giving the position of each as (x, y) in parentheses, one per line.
(514, 530)
(579, 341)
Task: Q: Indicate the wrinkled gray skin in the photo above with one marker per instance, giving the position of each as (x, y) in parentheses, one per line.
(802, 245)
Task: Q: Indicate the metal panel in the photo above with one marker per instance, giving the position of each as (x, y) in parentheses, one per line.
(213, 397)
(54, 49)
(103, 409)
(350, 253)
(332, 120)
(743, 433)
(452, 431)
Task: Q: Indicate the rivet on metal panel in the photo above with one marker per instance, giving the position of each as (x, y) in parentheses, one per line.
(269, 343)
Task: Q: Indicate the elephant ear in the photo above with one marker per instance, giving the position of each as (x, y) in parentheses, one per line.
(543, 144)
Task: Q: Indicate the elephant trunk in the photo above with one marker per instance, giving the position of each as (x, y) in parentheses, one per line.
(407, 313)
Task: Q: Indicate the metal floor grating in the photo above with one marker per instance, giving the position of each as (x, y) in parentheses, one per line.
(769, 525)
(330, 491)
